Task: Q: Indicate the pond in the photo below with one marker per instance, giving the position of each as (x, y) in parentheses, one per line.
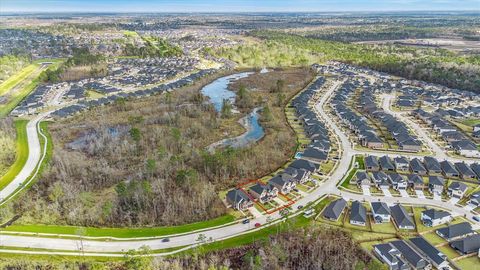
(254, 133)
(218, 90)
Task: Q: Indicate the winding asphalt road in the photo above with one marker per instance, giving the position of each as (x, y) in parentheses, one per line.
(111, 248)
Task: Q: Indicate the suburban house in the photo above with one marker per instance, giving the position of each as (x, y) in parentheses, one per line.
(381, 180)
(433, 217)
(416, 166)
(415, 181)
(457, 189)
(388, 254)
(432, 165)
(362, 179)
(386, 164)
(431, 253)
(398, 181)
(476, 168)
(315, 155)
(283, 182)
(381, 212)
(410, 255)
(371, 163)
(358, 214)
(401, 164)
(455, 231)
(305, 164)
(299, 175)
(467, 245)
(465, 171)
(238, 200)
(475, 199)
(466, 148)
(448, 169)
(263, 193)
(334, 210)
(436, 184)
(402, 218)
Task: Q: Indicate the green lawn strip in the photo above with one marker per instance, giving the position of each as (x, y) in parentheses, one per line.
(27, 89)
(248, 238)
(21, 154)
(433, 238)
(121, 232)
(471, 122)
(472, 263)
(17, 78)
(448, 251)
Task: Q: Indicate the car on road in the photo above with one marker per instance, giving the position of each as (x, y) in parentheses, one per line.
(246, 221)
(257, 225)
(165, 240)
(295, 189)
(476, 218)
(299, 207)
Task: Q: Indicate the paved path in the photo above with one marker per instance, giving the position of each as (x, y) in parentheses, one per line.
(101, 248)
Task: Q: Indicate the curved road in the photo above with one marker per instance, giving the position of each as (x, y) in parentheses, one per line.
(106, 248)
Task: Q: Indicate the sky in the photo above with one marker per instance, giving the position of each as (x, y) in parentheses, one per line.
(234, 5)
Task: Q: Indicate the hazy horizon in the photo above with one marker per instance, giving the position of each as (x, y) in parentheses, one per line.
(234, 6)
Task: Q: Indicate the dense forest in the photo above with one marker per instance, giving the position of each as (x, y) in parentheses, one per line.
(144, 162)
(7, 144)
(304, 249)
(431, 65)
(152, 47)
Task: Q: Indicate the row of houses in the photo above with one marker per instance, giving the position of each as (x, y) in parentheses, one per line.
(427, 166)
(397, 129)
(319, 147)
(87, 104)
(366, 134)
(455, 138)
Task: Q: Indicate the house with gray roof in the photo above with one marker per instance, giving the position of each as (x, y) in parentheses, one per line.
(335, 209)
(263, 193)
(433, 217)
(432, 165)
(476, 168)
(305, 164)
(436, 184)
(381, 179)
(283, 182)
(466, 148)
(431, 253)
(371, 163)
(467, 245)
(415, 181)
(416, 166)
(381, 212)
(465, 171)
(457, 189)
(475, 199)
(455, 231)
(448, 169)
(238, 200)
(398, 181)
(358, 214)
(391, 256)
(401, 164)
(386, 164)
(401, 217)
(362, 179)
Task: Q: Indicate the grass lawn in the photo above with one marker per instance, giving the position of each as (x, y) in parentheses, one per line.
(450, 252)
(472, 263)
(433, 238)
(386, 227)
(17, 78)
(121, 232)
(21, 154)
(471, 122)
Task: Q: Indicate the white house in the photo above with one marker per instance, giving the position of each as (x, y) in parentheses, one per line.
(433, 217)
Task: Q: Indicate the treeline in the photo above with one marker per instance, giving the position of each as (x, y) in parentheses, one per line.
(301, 249)
(92, 66)
(152, 47)
(431, 65)
(7, 144)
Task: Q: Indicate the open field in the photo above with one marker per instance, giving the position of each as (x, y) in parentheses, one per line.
(21, 154)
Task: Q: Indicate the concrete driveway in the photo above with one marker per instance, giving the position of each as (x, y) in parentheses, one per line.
(386, 192)
(420, 194)
(404, 193)
(366, 190)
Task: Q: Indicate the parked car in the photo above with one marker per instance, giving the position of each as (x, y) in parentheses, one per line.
(476, 218)
(257, 225)
(299, 207)
(295, 189)
(166, 240)
(246, 221)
